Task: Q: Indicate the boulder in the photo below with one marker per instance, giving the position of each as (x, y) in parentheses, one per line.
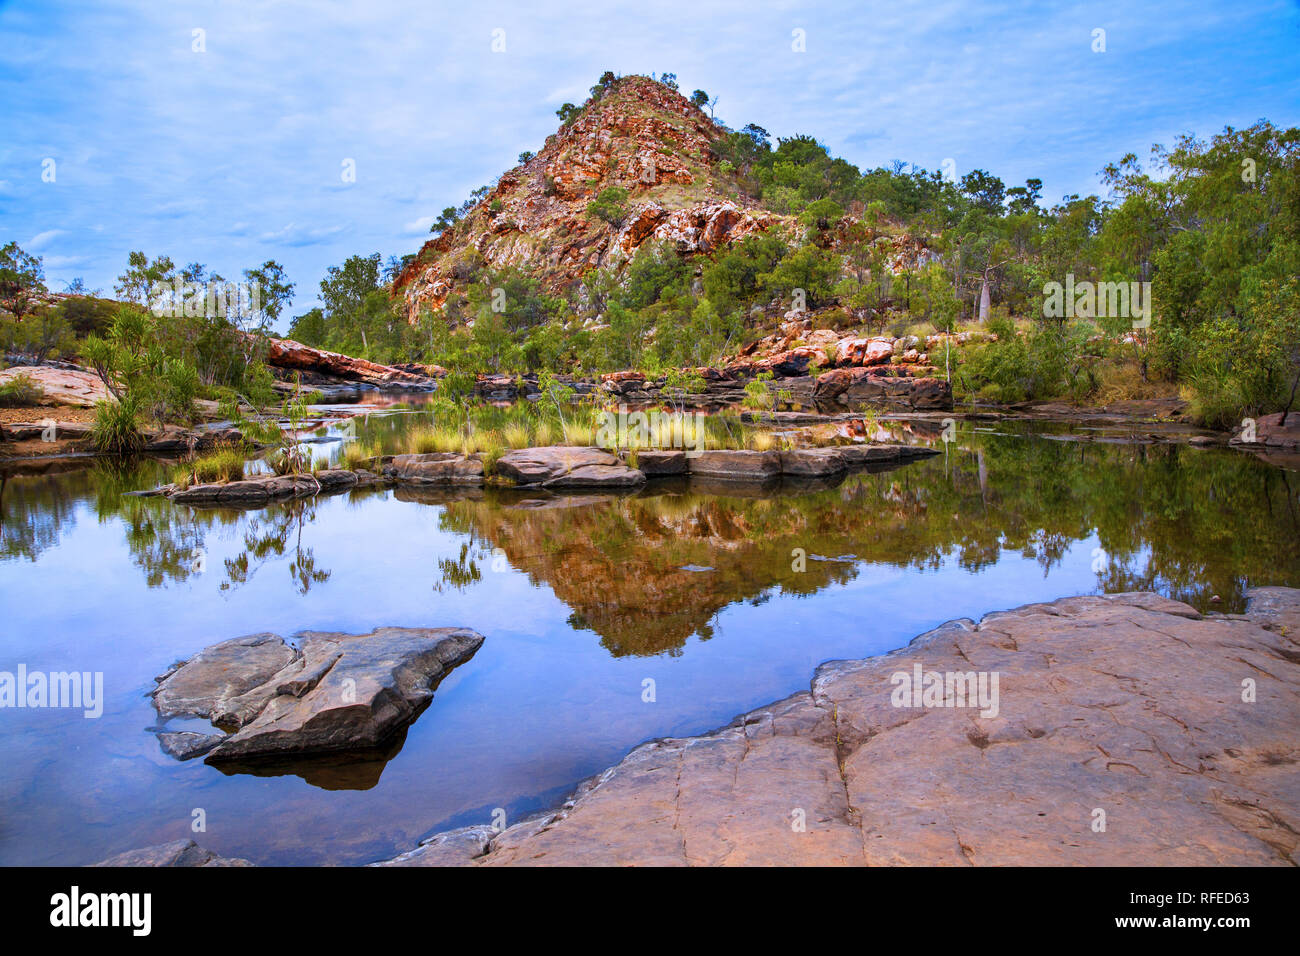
(554, 467)
(328, 693)
(863, 352)
(848, 387)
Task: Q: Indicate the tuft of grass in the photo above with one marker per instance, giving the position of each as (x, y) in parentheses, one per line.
(760, 441)
(546, 433)
(578, 433)
(223, 464)
(21, 392)
(515, 435)
(115, 430)
(357, 455)
(428, 440)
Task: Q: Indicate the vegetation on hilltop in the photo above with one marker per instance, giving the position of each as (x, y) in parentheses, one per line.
(531, 271)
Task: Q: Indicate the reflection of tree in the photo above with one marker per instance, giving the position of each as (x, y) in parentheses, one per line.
(32, 512)
(460, 573)
(267, 537)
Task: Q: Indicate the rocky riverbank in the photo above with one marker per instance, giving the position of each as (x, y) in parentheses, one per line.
(1126, 730)
(1121, 729)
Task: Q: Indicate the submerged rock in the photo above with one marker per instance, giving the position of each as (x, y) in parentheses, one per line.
(331, 693)
(176, 853)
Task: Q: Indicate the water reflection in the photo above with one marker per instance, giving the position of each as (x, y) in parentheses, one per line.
(1190, 523)
(581, 598)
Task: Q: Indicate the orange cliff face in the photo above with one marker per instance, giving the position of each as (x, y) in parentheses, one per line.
(640, 136)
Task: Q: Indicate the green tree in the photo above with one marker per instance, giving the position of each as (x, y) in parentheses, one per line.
(22, 280)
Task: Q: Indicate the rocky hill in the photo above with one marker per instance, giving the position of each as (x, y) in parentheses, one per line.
(639, 136)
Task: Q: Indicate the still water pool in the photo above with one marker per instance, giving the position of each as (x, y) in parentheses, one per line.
(582, 600)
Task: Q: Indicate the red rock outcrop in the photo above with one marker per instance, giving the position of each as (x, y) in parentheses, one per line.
(289, 355)
(641, 137)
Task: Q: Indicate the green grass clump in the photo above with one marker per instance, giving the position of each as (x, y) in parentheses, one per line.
(357, 455)
(21, 392)
(223, 464)
(116, 430)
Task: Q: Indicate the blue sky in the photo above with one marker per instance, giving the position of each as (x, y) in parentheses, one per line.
(234, 155)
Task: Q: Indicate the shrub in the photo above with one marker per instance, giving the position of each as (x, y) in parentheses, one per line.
(610, 206)
(20, 392)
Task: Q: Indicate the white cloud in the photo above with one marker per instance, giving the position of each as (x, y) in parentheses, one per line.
(42, 239)
(420, 226)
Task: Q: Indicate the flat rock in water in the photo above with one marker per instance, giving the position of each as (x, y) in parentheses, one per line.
(331, 693)
(812, 462)
(563, 466)
(268, 488)
(661, 462)
(1130, 704)
(598, 476)
(436, 468)
(737, 465)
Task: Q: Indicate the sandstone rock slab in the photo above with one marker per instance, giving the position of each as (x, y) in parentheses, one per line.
(326, 694)
(1127, 704)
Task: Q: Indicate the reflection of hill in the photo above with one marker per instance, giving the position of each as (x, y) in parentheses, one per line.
(619, 562)
(1216, 527)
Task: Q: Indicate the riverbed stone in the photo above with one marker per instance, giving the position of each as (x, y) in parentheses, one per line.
(812, 462)
(737, 465)
(1127, 705)
(534, 466)
(328, 693)
(657, 463)
(437, 468)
